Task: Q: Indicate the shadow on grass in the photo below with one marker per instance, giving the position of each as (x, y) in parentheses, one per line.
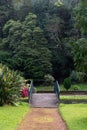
(24, 100)
(74, 101)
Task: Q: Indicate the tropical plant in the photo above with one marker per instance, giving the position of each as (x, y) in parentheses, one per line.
(10, 83)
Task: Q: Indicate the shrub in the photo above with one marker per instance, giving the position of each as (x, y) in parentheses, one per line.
(67, 83)
(78, 76)
(75, 87)
(10, 83)
(24, 92)
(48, 79)
(81, 76)
(73, 76)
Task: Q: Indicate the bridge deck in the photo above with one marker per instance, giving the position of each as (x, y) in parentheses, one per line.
(44, 100)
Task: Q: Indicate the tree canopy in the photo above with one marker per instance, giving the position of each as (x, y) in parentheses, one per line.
(41, 37)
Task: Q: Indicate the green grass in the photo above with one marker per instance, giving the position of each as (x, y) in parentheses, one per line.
(81, 87)
(73, 97)
(44, 88)
(11, 116)
(75, 116)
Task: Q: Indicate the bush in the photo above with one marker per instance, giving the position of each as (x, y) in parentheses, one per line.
(67, 83)
(78, 76)
(73, 76)
(81, 76)
(10, 83)
(24, 92)
(48, 79)
(75, 87)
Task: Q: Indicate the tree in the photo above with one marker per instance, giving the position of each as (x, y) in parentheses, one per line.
(6, 12)
(26, 43)
(57, 29)
(79, 44)
(79, 49)
(81, 17)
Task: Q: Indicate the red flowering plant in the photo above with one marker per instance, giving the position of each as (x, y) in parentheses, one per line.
(24, 92)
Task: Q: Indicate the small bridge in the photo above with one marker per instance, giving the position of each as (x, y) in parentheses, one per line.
(43, 100)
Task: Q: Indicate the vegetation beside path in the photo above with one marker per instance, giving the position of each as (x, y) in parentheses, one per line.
(11, 116)
(74, 115)
(73, 97)
(80, 87)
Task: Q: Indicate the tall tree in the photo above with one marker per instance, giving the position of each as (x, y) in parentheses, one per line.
(6, 12)
(81, 17)
(79, 46)
(26, 44)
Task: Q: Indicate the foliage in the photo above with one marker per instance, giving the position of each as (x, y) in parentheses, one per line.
(79, 44)
(25, 42)
(76, 87)
(79, 86)
(81, 76)
(67, 83)
(77, 76)
(24, 92)
(79, 49)
(10, 83)
(73, 76)
(6, 12)
(37, 43)
(81, 16)
(48, 79)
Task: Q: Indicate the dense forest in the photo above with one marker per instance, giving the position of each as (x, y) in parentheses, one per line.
(41, 37)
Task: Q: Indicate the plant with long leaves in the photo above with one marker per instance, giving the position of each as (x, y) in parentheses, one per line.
(10, 84)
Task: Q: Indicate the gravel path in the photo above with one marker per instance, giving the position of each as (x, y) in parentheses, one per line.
(42, 119)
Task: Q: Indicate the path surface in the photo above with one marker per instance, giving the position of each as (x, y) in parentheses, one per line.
(44, 100)
(42, 119)
(44, 115)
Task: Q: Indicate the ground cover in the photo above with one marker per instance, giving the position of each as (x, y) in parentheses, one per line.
(75, 116)
(80, 87)
(11, 116)
(73, 97)
(44, 88)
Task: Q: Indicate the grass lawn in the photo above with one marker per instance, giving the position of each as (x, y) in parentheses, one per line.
(11, 116)
(73, 97)
(75, 116)
(44, 88)
(81, 87)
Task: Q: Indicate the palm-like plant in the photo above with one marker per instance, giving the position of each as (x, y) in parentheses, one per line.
(10, 83)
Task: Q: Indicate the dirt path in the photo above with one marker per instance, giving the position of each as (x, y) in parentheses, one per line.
(42, 119)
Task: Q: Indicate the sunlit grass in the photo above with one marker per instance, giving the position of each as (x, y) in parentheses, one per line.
(45, 88)
(74, 97)
(80, 87)
(11, 116)
(75, 115)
